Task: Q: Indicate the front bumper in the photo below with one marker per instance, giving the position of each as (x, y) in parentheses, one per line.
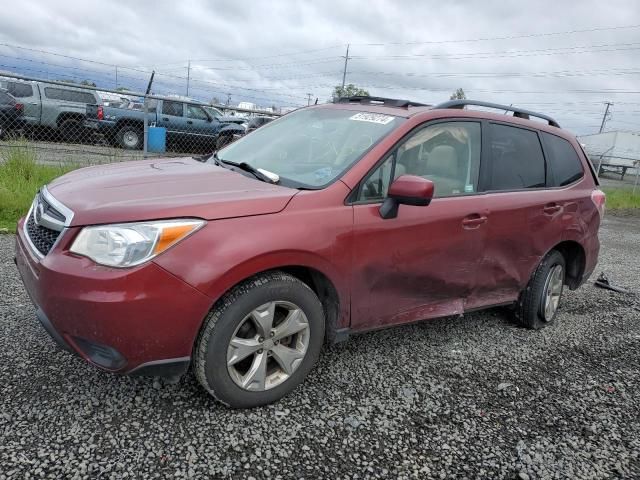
(139, 320)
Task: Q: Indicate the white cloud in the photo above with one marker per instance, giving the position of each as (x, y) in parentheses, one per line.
(164, 35)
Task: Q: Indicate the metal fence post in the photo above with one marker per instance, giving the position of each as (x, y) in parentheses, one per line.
(145, 133)
(635, 185)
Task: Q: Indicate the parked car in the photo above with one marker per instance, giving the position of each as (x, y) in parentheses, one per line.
(221, 117)
(334, 220)
(186, 122)
(11, 113)
(53, 106)
(257, 122)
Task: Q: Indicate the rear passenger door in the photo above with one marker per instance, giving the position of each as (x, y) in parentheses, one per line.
(172, 118)
(520, 208)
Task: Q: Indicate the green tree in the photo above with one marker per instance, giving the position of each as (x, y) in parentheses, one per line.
(458, 95)
(349, 91)
(88, 83)
(122, 89)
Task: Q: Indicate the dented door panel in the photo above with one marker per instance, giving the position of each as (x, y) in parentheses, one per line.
(420, 265)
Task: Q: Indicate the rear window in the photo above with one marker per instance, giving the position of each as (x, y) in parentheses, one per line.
(17, 89)
(565, 164)
(517, 161)
(69, 95)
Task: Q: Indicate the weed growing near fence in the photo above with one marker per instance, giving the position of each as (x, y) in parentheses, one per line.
(20, 179)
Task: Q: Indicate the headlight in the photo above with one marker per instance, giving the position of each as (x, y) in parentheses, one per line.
(129, 244)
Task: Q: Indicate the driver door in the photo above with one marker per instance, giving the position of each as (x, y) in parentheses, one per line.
(423, 263)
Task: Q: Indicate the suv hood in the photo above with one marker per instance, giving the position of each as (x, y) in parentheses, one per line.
(164, 188)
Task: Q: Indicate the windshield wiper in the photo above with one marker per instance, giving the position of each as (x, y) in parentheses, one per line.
(259, 173)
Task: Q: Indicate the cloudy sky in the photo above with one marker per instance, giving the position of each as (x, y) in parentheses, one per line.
(563, 58)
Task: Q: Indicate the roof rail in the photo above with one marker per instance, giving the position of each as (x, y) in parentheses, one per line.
(517, 112)
(387, 102)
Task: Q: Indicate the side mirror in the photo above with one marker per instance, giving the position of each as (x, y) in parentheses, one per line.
(407, 190)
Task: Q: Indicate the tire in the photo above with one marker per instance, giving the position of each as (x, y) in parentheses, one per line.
(72, 130)
(130, 137)
(213, 353)
(531, 309)
(223, 140)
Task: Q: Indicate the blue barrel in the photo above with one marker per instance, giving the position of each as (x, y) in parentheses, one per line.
(157, 140)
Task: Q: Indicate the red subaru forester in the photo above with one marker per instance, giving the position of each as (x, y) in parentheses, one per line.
(331, 220)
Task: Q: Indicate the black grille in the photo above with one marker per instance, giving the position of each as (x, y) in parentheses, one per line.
(42, 238)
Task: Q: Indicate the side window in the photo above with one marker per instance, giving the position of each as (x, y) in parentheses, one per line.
(81, 97)
(152, 105)
(448, 154)
(566, 166)
(172, 108)
(69, 95)
(20, 90)
(517, 161)
(193, 111)
(5, 99)
(375, 186)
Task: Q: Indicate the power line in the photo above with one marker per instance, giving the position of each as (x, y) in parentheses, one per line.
(509, 37)
(506, 53)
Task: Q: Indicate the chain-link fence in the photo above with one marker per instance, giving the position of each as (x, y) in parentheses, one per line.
(59, 122)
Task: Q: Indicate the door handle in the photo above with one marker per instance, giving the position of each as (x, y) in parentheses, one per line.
(165, 119)
(473, 221)
(551, 208)
(189, 122)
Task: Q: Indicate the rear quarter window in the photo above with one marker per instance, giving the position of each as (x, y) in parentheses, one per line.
(562, 159)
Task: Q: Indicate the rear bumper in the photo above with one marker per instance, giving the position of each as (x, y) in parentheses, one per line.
(140, 321)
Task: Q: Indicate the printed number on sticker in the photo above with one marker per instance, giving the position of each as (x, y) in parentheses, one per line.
(372, 117)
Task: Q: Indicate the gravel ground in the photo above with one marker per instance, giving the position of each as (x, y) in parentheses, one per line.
(472, 397)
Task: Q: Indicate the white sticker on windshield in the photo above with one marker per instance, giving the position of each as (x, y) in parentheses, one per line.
(372, 117)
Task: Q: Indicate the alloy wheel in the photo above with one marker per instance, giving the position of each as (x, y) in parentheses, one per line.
(552, 292)
(268, 346)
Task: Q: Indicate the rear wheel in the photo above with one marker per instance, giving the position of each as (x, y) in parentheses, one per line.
(539, 302)
(72, 130)
(260, 341)
(130, 137)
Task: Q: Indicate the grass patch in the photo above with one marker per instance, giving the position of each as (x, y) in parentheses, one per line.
(622, 198)
(20, 178)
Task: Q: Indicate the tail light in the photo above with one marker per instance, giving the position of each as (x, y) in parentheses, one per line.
(100, 113)
(19, 107)
(599, 198)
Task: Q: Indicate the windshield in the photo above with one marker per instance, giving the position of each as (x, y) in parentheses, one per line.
(313, 146)
(214, 112)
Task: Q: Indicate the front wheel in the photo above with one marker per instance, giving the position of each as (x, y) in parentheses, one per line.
(259, 341)
(539, 302)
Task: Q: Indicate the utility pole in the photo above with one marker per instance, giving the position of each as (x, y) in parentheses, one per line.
(188, 75)
(344, 72)
(604, 117)
(309, 98)
(116, 77)
(228, 99)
